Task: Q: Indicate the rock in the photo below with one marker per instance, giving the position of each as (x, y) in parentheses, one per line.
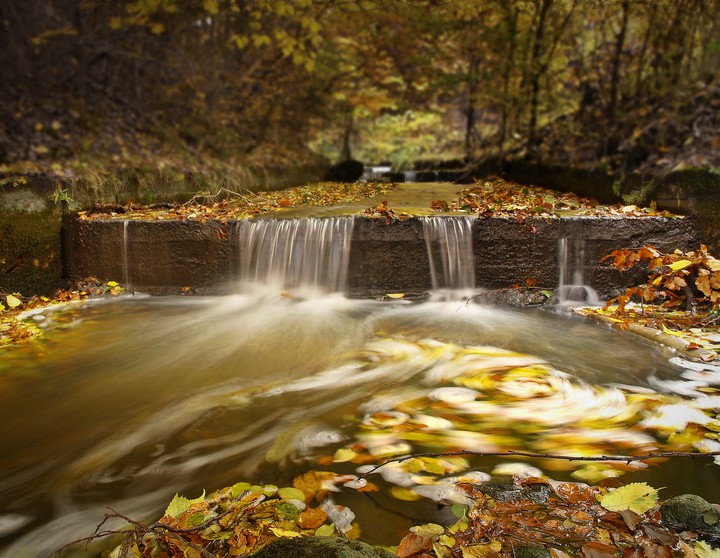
(689, 512)
(347, 171)
(320, 547)
(521, 297)
(532, 552)
(508, 492)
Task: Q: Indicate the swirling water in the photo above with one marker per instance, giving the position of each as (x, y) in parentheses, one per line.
(125, 402)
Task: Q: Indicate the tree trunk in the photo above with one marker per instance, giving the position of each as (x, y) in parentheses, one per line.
(611, 116)
(535, 75)
(346, 151)
(507, 70)
(470, 108)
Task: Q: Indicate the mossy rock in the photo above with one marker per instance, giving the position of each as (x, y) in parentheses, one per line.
(532, 552)
(689, 512)
(320, 547)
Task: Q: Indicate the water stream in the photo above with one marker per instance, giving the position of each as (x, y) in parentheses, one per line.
(573, 289)
(450, 250)
(125, 402)
(309, 254)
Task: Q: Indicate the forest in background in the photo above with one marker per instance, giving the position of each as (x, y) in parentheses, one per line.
(614, 85)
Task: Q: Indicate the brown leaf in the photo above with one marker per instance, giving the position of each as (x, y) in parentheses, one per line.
(657, 550)
(413, 544)
(598, 550)
(631, 519)
(312, 518)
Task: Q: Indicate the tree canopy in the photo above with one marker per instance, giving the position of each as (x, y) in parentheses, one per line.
(609, 84)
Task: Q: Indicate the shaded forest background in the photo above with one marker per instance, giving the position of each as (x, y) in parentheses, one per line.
(617, 86)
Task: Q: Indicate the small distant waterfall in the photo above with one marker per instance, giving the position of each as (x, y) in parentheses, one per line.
(572, 289)
(308, 253)
(375, 173)
(449, 242)
(125, 264)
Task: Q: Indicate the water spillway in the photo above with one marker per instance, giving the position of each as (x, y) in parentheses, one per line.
(380, 257)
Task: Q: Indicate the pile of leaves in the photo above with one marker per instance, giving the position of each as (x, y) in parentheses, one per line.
(558, 519)
(681, 295)
(225, 205)
(14, 329)
(496, 197)
(690, 278)
(240, 519)
(534, 517)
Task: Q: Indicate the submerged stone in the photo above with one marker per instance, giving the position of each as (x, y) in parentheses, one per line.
(532, 552)
(507, 492)
(320, 547)
(689, 512)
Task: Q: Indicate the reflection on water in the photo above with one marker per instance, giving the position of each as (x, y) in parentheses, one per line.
(127, 402)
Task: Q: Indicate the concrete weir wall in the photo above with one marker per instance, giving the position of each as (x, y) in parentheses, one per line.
(163, 256)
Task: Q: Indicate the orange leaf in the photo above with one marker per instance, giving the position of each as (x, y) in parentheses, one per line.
(413, 544)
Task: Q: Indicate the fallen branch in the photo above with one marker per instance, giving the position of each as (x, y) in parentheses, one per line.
(514, 453)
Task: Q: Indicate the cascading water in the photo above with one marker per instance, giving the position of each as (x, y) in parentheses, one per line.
(572, 289)
(306, 254)
(450, 253)
(126, 266)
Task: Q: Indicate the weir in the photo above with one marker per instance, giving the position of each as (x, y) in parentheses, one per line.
(380, 257)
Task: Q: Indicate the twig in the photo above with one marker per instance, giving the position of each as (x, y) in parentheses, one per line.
(514, 453)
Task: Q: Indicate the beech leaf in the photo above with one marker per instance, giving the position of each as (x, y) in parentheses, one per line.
(179, 505)
(637, 497)
(13, 301)
(680, 264)
(704, 550)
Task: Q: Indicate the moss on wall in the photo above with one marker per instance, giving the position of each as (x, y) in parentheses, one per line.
(30, 252)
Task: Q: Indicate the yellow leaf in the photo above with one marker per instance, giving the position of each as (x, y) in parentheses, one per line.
(13, 301)
(283, 533)
(290, 493)
(704, 550)
(395, 295)
(680, 264)
(179, 505)
(325, 530)
(637, 497)
(112, 283)
(428, 530)
(157, 28)
(343, 455)
(211, 6)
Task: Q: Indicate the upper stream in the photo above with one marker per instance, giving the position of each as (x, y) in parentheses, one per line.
(127, 401)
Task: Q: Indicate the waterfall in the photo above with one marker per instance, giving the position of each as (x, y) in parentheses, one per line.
(449, 243)
(309, 253)
(374, 173)
(125, 264)
(572, 289)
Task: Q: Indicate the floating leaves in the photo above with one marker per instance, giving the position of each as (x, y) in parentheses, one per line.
(637, 497)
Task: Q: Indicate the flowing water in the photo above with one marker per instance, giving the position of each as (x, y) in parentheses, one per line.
(572, 289)
(125, 402)
(449, 243)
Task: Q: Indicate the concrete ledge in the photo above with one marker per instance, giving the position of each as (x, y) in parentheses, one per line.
(163, 256)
